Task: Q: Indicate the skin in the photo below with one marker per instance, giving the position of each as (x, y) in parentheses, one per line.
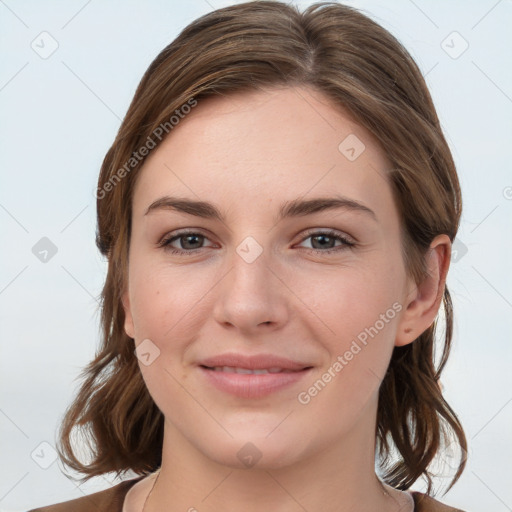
(232, 152)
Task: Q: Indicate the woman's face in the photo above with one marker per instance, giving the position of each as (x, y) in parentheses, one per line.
(256, 259)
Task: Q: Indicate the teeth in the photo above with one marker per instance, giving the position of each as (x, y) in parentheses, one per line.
(243, 370)
(231, 369)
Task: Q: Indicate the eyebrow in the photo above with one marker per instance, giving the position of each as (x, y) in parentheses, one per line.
(294, 208)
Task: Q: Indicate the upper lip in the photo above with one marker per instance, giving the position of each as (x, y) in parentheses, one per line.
(254, 362)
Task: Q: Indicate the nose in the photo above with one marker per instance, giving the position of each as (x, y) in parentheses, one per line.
(252, 296)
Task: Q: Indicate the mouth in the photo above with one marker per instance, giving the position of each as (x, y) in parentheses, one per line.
(252, 377)
(249, 371)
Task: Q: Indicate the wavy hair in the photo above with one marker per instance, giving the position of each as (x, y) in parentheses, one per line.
(358, 65)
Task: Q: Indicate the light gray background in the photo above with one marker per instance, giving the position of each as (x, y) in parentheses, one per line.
(59, 115)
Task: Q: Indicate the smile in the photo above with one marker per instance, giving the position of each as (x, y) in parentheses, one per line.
(251, 383)
(247, 371)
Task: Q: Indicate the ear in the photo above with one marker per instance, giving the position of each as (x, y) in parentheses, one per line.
(128, 318)
(424, 299)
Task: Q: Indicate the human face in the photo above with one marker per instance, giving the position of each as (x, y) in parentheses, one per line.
(251, 283)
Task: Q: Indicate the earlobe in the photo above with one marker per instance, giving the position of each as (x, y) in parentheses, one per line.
(128, 318)
(425, 298)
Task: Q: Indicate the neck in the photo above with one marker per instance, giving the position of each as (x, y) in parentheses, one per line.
(339, 478)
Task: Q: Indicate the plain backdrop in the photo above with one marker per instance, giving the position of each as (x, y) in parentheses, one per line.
(68, 72)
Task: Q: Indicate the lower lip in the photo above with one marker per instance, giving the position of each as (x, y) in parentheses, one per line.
(250, 385)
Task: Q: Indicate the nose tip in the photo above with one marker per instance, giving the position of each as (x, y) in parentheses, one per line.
(250, 297)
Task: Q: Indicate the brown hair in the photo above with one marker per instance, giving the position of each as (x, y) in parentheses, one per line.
(360, 66)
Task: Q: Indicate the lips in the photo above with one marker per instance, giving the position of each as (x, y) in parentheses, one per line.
(247, 371)
(252, 376)
(254, 362)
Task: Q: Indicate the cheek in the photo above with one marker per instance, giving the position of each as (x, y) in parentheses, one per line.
(150, 306)
(349, 300)
(166, 302)
(360, 311)
(358, 354)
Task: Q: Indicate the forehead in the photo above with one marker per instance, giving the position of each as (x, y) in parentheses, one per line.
(264, 146)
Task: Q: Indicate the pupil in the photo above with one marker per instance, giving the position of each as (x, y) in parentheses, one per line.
(324, 237)
(188, 237)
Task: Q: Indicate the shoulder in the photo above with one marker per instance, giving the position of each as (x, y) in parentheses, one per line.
(110, 500)
(425, 503)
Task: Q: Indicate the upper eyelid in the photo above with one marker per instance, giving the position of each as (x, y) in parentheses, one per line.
(177, 234)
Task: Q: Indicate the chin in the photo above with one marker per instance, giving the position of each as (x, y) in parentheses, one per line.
(255, 451)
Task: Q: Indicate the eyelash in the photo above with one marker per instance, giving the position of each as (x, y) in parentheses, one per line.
(346, 243)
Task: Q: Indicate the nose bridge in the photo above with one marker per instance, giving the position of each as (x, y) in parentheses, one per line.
(251, 267)
(250, 294)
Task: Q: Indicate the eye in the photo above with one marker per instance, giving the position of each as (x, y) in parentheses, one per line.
(190, 241)
(326, 241)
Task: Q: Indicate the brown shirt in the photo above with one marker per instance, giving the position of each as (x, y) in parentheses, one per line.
(111, 500)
